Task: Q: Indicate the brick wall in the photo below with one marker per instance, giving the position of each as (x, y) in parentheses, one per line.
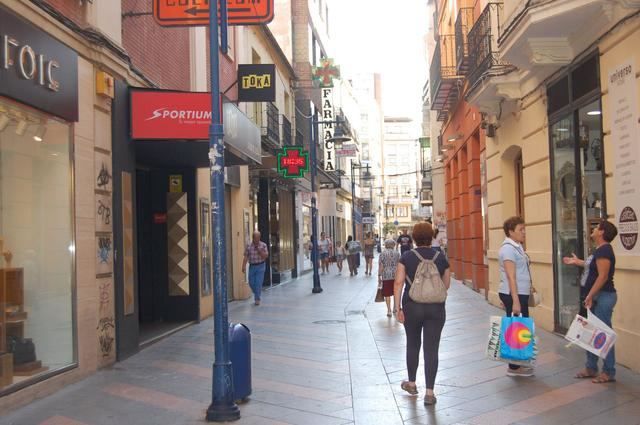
(162, 54)
(71, 9)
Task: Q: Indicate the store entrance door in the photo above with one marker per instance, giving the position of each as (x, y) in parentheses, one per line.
(167, 250)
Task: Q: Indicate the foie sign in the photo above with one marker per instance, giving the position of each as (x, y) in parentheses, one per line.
(328, 117)
(36, 69)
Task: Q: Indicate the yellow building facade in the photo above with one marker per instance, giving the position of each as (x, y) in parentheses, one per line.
(561, 119)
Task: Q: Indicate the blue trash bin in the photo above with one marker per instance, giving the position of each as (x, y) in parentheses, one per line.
(240, 353)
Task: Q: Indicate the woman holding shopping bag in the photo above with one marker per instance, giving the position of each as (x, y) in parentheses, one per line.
(601, 297)
(515, 279)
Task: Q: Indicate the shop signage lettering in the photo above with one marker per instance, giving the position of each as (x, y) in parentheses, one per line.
(29, 64)
(36, 69)
(256, 83)
(623, 106)
(328, 115)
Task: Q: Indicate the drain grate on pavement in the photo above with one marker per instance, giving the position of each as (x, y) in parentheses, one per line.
(355, 313)
(329, 322)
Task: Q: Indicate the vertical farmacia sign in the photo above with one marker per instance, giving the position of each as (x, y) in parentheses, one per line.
(328, 116)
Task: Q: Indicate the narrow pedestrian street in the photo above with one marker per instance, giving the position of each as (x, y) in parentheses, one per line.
(335, 358)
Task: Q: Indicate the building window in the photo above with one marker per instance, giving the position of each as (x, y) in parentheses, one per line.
(36, 243)
(402, 212)
(390, 212)
(519, 186)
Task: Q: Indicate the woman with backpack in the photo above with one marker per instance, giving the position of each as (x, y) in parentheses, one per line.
(423, 306)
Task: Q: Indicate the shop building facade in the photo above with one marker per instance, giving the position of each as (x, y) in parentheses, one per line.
(561, 141)
(58, 307)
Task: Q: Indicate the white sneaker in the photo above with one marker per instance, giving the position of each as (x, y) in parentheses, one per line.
(521, 371)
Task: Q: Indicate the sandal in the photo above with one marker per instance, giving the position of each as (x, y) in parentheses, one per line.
(586, 373)
(430, 400)
(411, 389)
(603, 378)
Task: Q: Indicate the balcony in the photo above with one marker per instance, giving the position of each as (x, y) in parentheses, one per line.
(543, 36)
(464, 22)
(287, 138)
(445, 81)
(271, 126)
(488, 75)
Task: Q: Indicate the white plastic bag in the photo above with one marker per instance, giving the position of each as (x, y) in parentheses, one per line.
(592, 334)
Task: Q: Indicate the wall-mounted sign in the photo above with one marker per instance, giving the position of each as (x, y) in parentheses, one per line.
(36, 69)
(623, 112)
(293, 162)
(328, 116)
(347, 150)
(169, 115)
(257, 83)
(175, 183)
(180, 13)
(368, 220)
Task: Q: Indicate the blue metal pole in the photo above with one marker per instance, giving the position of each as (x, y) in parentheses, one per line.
(314, 212)
(222, 408)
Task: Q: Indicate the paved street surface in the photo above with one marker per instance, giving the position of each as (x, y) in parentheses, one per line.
(335, 358)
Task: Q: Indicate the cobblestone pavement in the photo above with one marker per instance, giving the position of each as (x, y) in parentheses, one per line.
(335, 358)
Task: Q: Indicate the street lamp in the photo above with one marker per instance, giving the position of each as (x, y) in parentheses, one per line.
(314, 211)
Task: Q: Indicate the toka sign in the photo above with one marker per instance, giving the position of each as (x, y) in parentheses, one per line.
(623, 106)
(328, 116)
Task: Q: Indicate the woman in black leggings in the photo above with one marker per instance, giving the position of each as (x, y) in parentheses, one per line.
(421, 321)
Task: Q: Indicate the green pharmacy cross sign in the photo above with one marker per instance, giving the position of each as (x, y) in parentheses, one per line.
(293, 162)
(325, 73)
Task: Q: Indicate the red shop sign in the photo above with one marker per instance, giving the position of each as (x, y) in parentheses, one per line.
(158, 115)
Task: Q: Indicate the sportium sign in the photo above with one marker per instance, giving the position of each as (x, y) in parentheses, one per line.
(177, 13)
(327, 133)
(256, 83)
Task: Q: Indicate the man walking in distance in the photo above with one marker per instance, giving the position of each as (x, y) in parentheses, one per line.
(256, 254)
(405, 242)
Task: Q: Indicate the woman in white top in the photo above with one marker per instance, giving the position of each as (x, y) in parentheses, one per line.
(515, 279)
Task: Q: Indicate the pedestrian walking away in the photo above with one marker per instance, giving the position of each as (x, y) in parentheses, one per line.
(423, 322)
(353, 249)
(601, 297)
(405, 242)
(340, 256)
(256, 255)
(515, 279)
(369, 247)
(387, 266)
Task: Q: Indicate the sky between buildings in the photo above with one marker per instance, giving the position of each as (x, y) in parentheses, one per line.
(387, 37)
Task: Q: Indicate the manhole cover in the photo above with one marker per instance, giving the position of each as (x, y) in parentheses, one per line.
(328, 322)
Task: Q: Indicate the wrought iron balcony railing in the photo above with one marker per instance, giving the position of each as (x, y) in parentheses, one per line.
(271, 126)
(286, 132)
(445, 81)
(464, 22)
(483, 43)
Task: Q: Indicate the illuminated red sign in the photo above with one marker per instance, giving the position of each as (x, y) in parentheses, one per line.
(157, 115)
(293, 162)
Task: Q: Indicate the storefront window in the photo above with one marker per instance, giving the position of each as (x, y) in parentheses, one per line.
(578, 197)
(36, 243)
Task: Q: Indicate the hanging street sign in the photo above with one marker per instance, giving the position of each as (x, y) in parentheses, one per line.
(293, 162)
(186, 13)
(257, 83)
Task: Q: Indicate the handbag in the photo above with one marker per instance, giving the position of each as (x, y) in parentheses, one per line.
(379, 296)
(493, 345)
(534, 297)
(23, 349)
(516, 338)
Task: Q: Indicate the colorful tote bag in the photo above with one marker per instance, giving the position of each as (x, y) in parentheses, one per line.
(493, 345)
(517, 338)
